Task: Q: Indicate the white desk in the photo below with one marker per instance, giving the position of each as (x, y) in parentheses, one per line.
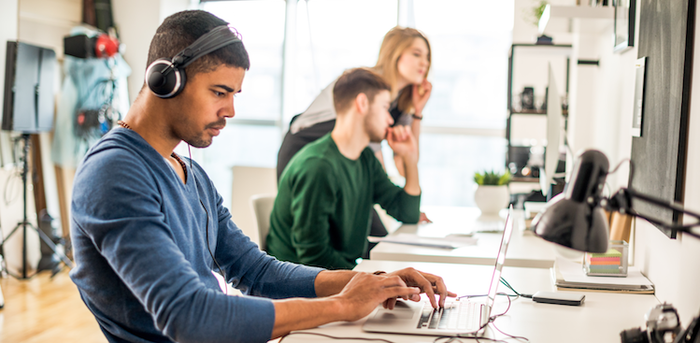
(525, 250)
(600, 319)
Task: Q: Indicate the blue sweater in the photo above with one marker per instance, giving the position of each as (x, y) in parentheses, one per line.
(143, 265)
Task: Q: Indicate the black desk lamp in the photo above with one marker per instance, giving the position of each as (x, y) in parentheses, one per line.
(575, 218)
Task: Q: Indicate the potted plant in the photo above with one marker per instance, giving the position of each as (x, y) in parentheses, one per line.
(492, 192)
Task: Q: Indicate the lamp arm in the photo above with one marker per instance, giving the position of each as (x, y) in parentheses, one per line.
(622, 202)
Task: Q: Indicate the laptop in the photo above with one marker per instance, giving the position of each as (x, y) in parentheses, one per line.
(457, 317)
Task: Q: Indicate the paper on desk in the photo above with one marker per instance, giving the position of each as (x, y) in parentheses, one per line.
(450, 242)
(573, 272)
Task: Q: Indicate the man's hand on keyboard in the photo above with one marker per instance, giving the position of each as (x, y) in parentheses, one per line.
(365, 291)
(429, 284)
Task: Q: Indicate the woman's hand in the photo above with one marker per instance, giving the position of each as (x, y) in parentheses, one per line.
(402, 142)
(419, 100)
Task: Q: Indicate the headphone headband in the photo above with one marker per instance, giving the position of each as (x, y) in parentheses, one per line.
(213, 40)
(166, 78)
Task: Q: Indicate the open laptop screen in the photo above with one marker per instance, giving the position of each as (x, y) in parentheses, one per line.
(500, 260)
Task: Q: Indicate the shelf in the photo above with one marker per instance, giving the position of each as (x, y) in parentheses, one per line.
(542, 49)
(527, 179)
(558, 19)
(537, 112)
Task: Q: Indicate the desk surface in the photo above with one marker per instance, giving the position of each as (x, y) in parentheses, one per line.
(525, 250)
(600, 319)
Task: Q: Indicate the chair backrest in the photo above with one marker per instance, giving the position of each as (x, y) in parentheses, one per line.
(248, 181)
(262, 208)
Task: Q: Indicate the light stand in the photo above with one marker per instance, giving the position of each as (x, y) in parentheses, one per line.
(24, 224)
(622, 202)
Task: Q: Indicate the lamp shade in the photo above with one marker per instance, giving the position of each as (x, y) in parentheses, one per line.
(574, 218)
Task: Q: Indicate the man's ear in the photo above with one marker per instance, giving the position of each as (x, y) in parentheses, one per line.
(362, 103)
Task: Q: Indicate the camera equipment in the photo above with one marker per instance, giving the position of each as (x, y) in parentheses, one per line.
(691, 334)
(82, 46)
(662, 325)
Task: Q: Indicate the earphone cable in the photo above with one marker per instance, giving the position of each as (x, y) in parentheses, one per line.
(335, 337)
(206, 227)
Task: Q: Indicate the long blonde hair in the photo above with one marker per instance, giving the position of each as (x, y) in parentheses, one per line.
(395, 43)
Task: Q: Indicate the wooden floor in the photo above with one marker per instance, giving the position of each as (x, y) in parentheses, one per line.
(44, 309)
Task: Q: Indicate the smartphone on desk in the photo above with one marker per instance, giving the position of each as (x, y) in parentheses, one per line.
(559, 298)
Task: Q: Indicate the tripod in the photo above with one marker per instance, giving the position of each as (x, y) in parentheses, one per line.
(24, 224)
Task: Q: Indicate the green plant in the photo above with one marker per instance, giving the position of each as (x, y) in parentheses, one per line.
(536, 12)
(492, 178)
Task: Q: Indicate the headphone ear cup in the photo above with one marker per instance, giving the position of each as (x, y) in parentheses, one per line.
(166, 85)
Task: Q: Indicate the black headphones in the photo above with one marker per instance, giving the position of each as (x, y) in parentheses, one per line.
(166, 78)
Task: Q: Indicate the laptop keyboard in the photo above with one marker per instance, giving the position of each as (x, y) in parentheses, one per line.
(460, 315)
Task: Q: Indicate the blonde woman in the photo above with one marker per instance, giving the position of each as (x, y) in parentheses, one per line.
(404, 62)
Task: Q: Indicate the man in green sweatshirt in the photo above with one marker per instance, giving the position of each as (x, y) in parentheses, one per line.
(321, 216)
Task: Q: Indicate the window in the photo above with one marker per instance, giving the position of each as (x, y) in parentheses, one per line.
(253, 142)
(261, 25)
(470, 42)
(331, 38)
(463, 130)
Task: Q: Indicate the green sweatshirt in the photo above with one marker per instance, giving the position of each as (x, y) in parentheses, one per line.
(321, 216)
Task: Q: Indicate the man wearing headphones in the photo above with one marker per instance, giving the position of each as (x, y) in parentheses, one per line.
(148, 226)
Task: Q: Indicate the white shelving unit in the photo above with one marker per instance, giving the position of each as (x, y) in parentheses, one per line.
(575, 19)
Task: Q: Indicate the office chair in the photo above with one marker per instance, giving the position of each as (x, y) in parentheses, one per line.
(262, 208)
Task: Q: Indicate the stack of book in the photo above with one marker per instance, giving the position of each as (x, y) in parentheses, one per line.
(569, 275)
(609, 262)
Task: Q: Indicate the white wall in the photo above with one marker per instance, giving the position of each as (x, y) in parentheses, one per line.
(605, 97)
(137, 21)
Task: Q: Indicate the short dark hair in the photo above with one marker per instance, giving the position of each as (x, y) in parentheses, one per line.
(181, 29)
(354, 82)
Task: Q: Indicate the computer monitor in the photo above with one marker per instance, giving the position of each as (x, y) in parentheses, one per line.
(551, 157)
(29, 88)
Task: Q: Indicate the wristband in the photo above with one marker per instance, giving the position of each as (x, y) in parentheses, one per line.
(417, 117)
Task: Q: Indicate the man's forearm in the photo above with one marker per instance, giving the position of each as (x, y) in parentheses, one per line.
(298, 314)
(330, 282)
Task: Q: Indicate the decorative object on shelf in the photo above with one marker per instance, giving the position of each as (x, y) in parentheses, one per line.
(492, 194)
(527, 99)
(624, 24)
(544, 40)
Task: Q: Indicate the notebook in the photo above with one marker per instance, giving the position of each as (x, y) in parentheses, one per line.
(458, 317)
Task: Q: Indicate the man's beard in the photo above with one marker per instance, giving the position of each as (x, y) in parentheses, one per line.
(374, 137)
(198, 141)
